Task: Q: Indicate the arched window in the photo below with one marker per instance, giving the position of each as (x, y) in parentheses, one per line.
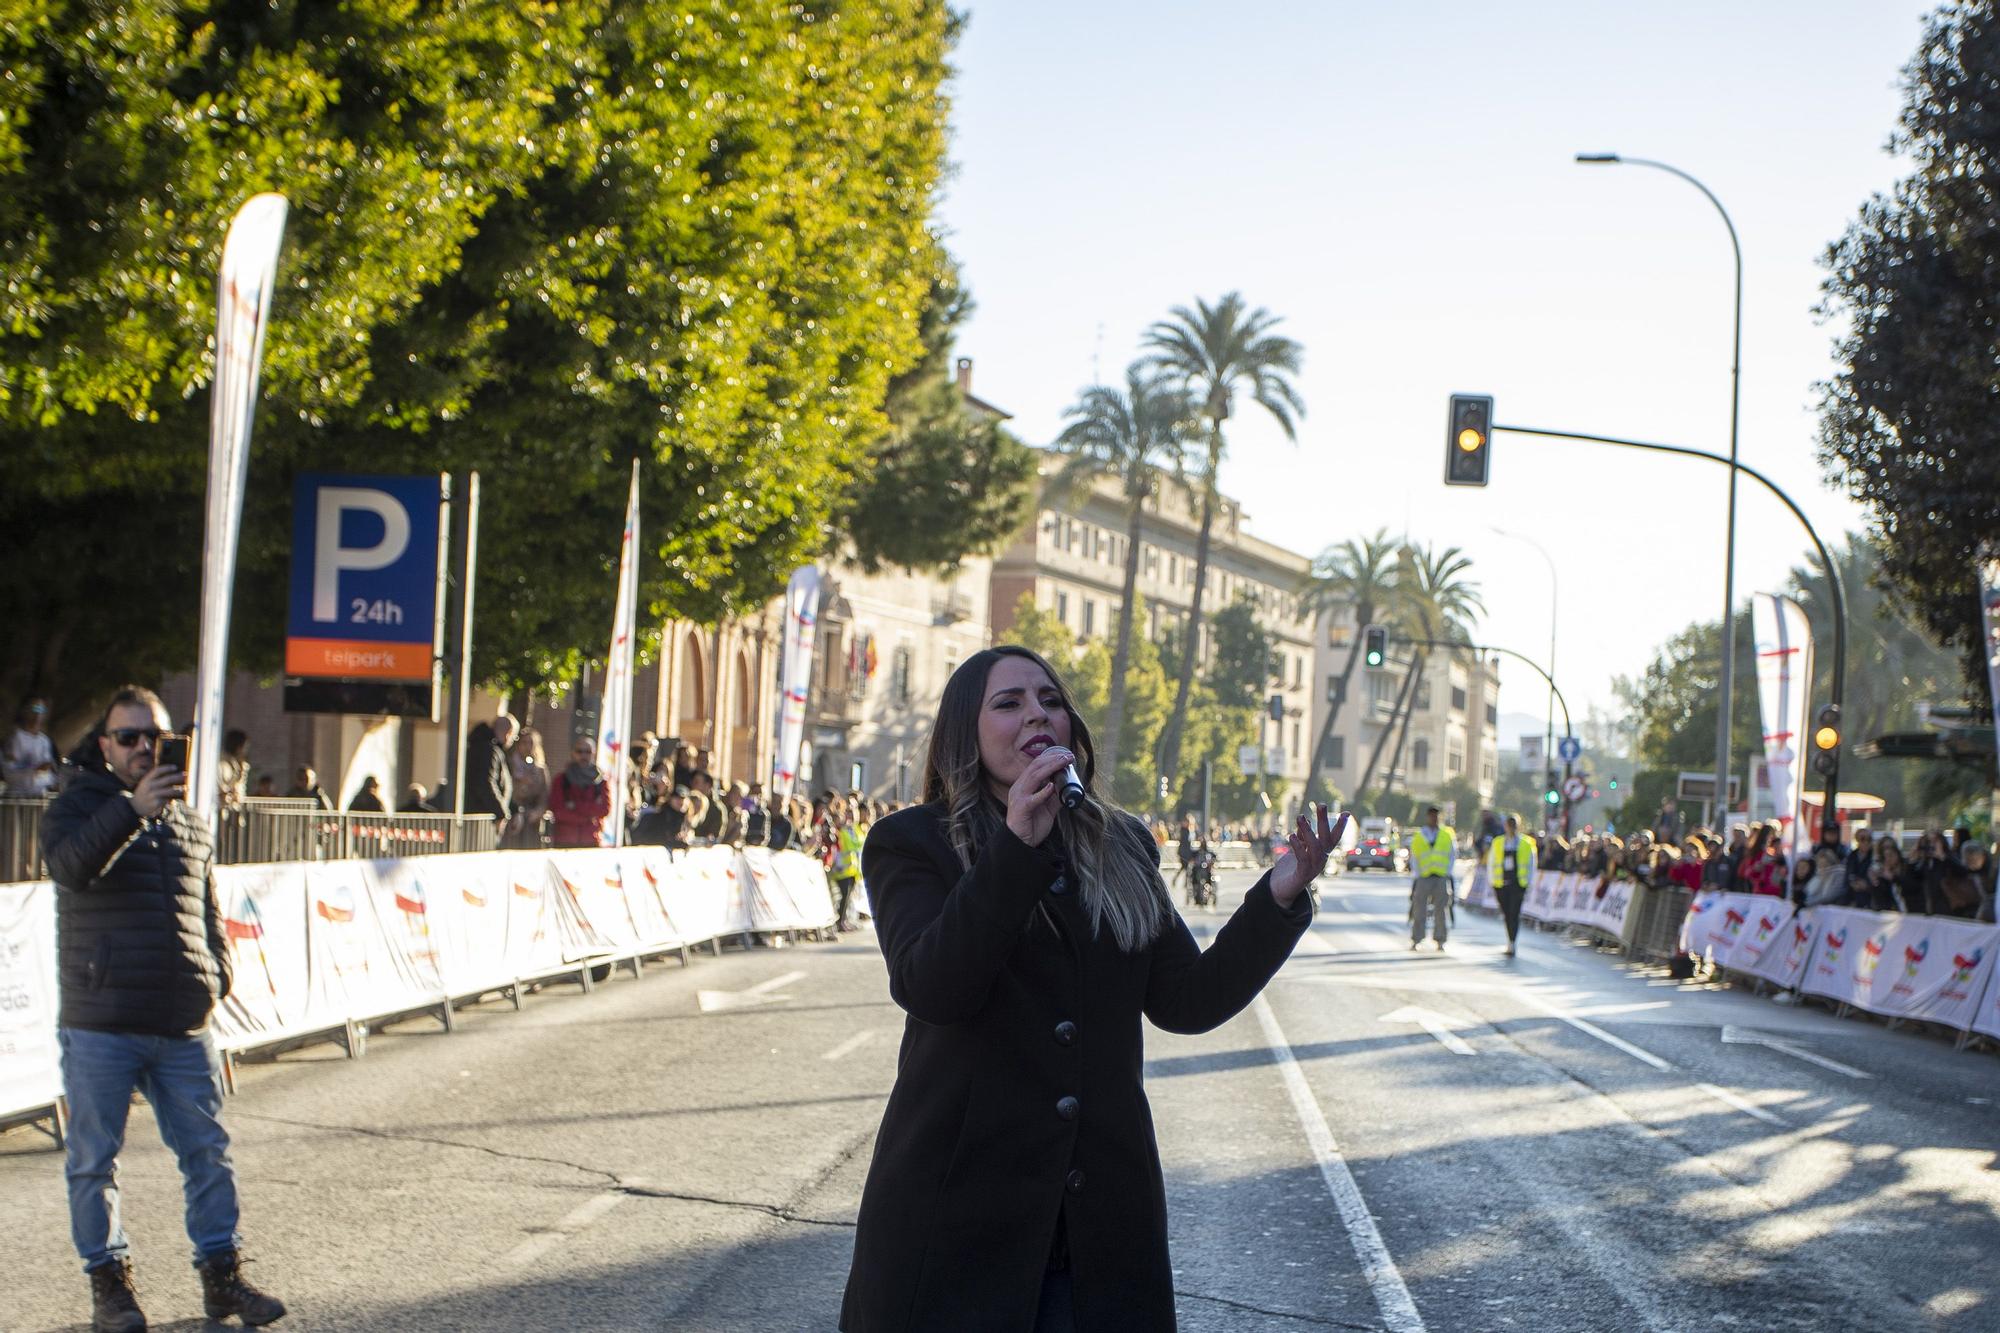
(1420, 756)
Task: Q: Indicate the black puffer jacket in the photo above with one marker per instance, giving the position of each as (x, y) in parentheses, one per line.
(139, 936)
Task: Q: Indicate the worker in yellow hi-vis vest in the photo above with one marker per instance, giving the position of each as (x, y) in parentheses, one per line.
(1431, 849)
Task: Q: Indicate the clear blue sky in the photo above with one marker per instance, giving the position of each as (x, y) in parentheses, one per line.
(1396, 181)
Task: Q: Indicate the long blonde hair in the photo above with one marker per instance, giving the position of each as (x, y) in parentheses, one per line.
(1109, 855)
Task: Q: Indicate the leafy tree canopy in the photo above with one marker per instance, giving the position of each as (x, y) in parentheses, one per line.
(1906, 423)
(536, 239)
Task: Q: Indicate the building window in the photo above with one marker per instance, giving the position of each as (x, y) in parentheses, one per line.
(1299, 673)
(1420, 756)
(1153, 561)
(1174, 576)
(1383, 688)
(1493, 715)
(1423, 695)
(1491, 774)
(1335, 755)
(1454, 763)
(1295, 739)
(1062, 611)
(1458, 701)
(1090, 621)
(899, 674)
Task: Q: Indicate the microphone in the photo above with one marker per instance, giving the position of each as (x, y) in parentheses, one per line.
(1071, 791)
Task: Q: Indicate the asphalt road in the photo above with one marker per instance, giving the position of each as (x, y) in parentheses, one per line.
(1388, 1140)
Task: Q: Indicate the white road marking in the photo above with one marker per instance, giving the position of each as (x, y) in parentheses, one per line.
(1723, 1095)
(712, 1000)
(1399, 1312)
(1735, 1036)
(572, 1222)
(1533, 1000)
(851, 1045)
(1434, 1023)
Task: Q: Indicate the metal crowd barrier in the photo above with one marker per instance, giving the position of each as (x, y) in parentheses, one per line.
(21, 838)
(264, 830)
(1661, 909)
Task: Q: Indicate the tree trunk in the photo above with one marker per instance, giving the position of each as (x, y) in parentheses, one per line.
(1396, 756)
(1170, 740)
(1408, 691)
(1121, 659)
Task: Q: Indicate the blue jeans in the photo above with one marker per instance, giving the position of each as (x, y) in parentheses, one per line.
(182, 1078)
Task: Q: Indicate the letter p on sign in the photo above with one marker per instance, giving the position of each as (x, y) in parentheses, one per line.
(330, 557)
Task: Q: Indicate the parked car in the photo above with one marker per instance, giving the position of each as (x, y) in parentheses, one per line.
(1375, 854)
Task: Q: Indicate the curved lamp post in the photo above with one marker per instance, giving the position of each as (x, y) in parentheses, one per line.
(1735, 387)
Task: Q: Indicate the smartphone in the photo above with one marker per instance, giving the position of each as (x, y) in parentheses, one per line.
(172, 751)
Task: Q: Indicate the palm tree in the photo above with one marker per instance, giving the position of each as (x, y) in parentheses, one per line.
(1433, 601)
(1137, 438)
(1215, 351)
(1355, 574)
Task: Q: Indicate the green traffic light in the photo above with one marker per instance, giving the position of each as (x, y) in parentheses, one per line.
(1553, 797)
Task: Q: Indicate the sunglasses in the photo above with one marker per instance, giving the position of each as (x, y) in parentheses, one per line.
(128, 737)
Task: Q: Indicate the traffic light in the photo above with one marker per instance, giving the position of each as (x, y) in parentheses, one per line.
(1614, 782)
(1276, 708)
(1375, 645)
(1468, 440)
(1826, 741)
(1551, 795)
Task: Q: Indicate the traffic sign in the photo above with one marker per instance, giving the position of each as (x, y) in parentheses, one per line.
(1574, 789)
(1570, 748)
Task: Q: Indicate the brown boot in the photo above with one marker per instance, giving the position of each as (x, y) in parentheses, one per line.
(224, 1292)
(114, 1306)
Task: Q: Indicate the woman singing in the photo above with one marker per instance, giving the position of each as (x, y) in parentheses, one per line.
(1015, 1184)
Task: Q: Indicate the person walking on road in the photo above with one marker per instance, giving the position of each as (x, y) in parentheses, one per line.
(143, 959)
(1015, 1182)
(1431, 848)
(1510, 867)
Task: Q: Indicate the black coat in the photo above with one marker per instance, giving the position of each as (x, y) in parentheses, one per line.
(140, 945)
(489, 782)
(1018, 1089)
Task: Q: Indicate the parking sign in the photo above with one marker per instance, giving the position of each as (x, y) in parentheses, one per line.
(365, 572)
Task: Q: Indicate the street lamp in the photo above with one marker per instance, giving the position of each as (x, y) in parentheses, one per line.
(1729, 555)
(1548, 744)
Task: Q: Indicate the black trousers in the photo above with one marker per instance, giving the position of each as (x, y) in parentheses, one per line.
(1510, 896)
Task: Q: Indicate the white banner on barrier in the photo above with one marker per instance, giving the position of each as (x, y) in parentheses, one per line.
(30, 1065)
(1537, 906)
(264, 916)
(1766, 926)
(1785, 960)
(1479, 889)
(318, 944)
(1933, 968)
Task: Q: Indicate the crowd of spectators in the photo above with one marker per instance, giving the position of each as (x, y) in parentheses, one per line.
(1936, 874)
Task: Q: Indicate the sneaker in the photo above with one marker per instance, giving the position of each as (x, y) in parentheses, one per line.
(1510, 951)
(225, 1292)
(114, 1306)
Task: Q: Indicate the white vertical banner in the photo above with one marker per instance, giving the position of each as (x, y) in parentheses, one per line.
(1784, 683)
(614, 722)
(795, 676)
(1989, 617)
(243, 307)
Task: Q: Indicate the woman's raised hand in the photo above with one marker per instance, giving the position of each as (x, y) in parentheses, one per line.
(1312, 841)
(1031, 801)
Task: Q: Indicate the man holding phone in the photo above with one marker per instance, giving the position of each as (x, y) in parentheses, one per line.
(142, 959)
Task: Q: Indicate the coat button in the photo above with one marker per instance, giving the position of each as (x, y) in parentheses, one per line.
(1065, 1033)
(1067, 1108)
(1075, 1182)
(1060, 886)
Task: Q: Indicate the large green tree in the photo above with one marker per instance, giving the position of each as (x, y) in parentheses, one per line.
(945, 480)
(1675, 701)
(1432, 601)
(1137, 439)
(537, 239)
(1218, 352)
(1907, 422)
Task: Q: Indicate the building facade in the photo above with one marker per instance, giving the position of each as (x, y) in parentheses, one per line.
(1071, 562)
(1453, 726)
